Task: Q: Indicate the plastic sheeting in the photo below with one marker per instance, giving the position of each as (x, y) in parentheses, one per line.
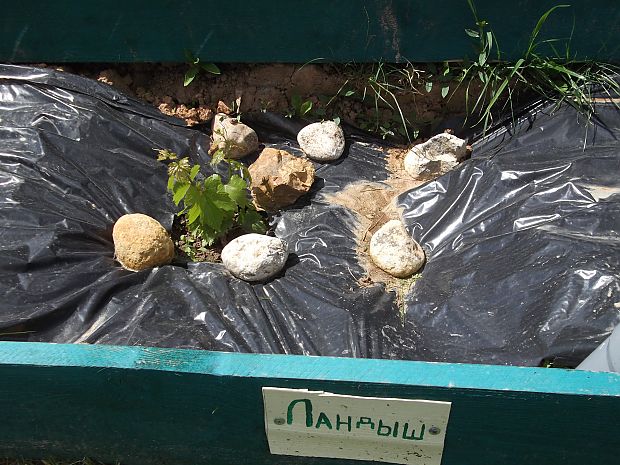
(524, 243)
(521, 240)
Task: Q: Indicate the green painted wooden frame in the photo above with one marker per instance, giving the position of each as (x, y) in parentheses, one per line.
(186, 407)
(294, 31)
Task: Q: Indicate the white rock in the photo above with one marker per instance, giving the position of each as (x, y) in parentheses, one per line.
(254, 257)
(436, 156)
(394, 251)
(237, 138)
(322, 141)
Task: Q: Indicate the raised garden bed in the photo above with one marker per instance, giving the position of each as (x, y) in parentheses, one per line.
(173, 405)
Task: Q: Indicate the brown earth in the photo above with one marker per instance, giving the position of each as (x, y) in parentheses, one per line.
(374, 205)
(350, 92)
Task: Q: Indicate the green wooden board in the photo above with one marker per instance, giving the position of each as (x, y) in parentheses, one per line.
(294, 31)
(151, 406)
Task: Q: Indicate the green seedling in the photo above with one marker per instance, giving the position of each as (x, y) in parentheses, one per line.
(195, 66)
(382, 85)
(299, 107)
(210, 206)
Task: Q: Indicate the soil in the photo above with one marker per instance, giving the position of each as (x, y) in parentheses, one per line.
(345, 91)
(374, 205)
(199, 252)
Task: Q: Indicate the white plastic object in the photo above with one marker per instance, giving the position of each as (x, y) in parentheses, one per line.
(605, 357)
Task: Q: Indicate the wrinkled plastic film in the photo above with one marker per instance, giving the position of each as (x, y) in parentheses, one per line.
(522, 249)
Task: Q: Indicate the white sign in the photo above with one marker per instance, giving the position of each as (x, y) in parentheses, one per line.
(320, 424)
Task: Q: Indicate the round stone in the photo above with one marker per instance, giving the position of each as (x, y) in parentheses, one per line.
(141, 242)
(235, 138)
(394, 251)
(322, 141)
(254, 257)
(436, 156)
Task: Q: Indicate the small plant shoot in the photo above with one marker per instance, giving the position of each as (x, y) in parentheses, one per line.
(211, 207)
(195, 66)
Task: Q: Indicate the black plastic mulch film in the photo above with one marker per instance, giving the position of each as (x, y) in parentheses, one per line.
(522, 240)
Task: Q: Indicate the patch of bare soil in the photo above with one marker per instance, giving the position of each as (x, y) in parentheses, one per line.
(334, 90)
(374, 205)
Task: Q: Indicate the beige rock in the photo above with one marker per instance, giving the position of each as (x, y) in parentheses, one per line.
(322, 141)
(394, 251)
(255, 257)
(237, 138)
(279, 179)
(141, 242)
(437, 156)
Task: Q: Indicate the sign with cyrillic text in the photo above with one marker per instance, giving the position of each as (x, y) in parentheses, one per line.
(321, 424)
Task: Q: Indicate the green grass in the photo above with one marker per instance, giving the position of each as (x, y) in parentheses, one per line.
(546, 69)
(491, 87)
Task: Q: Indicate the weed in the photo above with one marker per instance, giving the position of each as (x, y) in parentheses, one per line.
(380, 84)
(299, 107)
(558, 78)
(211, 208)
(195, 66)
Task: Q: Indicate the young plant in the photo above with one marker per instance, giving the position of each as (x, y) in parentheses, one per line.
(299, 107)
(195, 66)
(382, 85)
(210, 206)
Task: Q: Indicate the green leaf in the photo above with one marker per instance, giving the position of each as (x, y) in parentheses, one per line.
(210, 214)
(195, 170)
(482, 58)
(444, 91)
(215, 202)
(428, 86)
(336, 120)
(209, 236)
(296, 102)
(190, 75)
(348, 93)
(539, 26)
(210, 68)
(489, 41)
(212, 183)
(305, 107)
(218, 157)
(179, 192)
(225, 203)
(253, 221)
(237, 190)
(472, 33)
(193, 214)
(171, 183)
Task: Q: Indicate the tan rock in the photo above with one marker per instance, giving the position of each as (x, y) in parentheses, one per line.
(238, 139)
(436, 156)
(279, 179)
(394, 251)
(141, 242)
